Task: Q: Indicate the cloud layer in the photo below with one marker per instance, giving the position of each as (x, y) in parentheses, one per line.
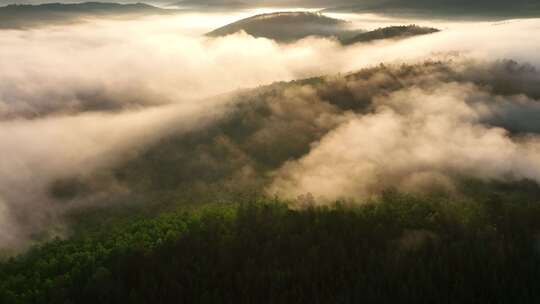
(416, 139)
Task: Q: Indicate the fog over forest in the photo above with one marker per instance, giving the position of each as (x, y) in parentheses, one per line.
(83, 98)
(306, 151)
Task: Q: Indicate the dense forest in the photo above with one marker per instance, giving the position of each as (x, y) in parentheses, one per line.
(402, 248)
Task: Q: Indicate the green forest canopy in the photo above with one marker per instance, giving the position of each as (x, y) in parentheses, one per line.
(398, 248)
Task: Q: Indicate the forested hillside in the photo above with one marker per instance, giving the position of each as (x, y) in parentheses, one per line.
(222, 213)
(287, 26)
(400, 248)
(391, 32)
(267, 127)
(24, 16)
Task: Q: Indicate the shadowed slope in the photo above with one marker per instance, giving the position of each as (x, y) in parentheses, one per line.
(26, 16)
(286, 26)
(391, 32)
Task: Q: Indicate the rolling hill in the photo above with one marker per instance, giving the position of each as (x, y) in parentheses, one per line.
(266, 128)
(391, 32)
(26, 16)
(444, 9)
(287, 26)
(236, 244)
(210, 5)
(291, 26)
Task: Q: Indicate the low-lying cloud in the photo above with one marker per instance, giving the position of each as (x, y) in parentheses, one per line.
(416, 139)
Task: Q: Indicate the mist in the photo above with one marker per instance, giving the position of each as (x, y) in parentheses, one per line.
(417, 139)
(84, 98)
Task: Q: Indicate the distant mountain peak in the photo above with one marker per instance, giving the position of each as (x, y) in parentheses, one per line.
(286, 26)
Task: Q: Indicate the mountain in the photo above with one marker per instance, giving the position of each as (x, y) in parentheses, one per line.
(291, 26)
(444, 9)
(210, 4)
(391, 32)
(288, 26)
(267, 127)
(25, 16)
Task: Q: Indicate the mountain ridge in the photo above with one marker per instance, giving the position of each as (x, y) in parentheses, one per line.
(287, 26)
(21, 16)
